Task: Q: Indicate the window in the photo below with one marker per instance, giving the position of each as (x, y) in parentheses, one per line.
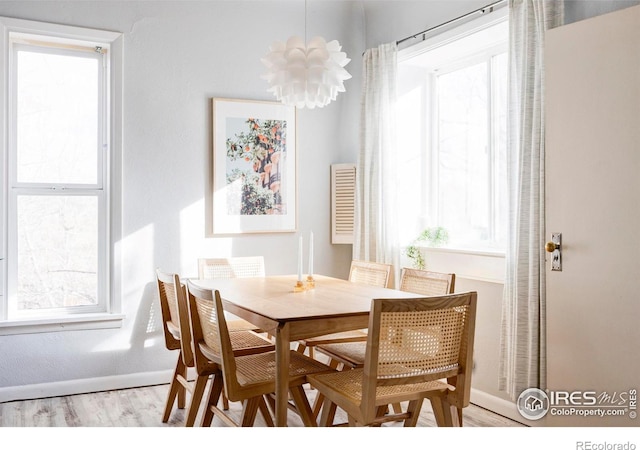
(452, 133)
(60, 144)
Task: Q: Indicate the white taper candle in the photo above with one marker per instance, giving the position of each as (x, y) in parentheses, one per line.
(311, 254)
(300, 259)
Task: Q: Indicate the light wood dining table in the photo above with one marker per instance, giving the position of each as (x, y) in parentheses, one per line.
(334, 305)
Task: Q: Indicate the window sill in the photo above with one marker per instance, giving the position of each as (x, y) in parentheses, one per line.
(480, 265)
(48, 325)
(467, 251)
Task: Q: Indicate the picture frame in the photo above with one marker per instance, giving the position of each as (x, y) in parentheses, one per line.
(254, 167)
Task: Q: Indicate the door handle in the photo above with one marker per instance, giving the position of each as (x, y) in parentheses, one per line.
(551, 246)
(554, 246)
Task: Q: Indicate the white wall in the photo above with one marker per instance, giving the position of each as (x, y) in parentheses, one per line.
(179, 54)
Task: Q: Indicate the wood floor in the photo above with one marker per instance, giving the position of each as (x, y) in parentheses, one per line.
(143, 407)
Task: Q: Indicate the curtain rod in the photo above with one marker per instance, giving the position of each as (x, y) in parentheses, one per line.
(488, 8)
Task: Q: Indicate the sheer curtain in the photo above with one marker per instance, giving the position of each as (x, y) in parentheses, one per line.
(523, 346)
(375, 225)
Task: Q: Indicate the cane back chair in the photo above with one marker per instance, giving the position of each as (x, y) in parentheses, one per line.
(417, 349)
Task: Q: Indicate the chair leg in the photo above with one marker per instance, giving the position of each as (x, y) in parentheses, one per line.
(271, 402)
(214, 397)
(302, 405)
(196, 398)
(328, 413)
(225, 401)
(249, 411)
(380, 412)
(175, 389)
(414, 409)
(445, 413)
(264, 410)
(317, 405)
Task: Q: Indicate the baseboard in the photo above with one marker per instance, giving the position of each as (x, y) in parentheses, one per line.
(498, 405)
(84, 386)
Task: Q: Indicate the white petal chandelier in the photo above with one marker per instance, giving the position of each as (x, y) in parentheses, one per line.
(306, 76)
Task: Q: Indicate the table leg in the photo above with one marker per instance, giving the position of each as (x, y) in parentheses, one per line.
(282, 374)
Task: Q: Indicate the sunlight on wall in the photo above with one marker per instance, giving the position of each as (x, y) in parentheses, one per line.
(137, 252)
(137, 256)
(193, 244)
(118, 342)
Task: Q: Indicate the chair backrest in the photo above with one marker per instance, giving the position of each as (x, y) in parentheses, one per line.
(372, 273)
(210, 327)
(236, 267)
(426, 282)
(420, 340)
(204, 327)
(175, 314)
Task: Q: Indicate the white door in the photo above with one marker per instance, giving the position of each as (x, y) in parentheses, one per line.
(593, 199)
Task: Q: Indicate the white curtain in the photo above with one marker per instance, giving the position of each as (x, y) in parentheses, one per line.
(375, 225)
(523, 346)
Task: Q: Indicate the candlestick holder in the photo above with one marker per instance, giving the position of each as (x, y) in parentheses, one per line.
(299, 287)
(311, 282)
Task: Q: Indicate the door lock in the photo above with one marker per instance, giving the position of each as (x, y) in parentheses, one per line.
(554, 247)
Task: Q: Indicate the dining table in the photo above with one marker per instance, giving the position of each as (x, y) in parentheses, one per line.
(279, 308)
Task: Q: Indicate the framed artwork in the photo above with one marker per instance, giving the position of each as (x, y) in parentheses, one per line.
(254, 167)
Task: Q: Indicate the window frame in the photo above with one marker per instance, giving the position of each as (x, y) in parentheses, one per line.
(107, 189)
(486, 54)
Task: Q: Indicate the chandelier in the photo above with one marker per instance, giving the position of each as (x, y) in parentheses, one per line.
(306, 75)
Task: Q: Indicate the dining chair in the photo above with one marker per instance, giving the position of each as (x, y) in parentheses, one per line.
(178, 336)
(249, 378)
(416, 349)
(417, 281)
(427, 282)
(233, 267)
(351, 355)
(371, 273)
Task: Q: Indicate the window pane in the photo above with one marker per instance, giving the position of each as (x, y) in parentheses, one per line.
(57, 118)
(500, 127)
(57, 251)
(411, 137)
(463, 154)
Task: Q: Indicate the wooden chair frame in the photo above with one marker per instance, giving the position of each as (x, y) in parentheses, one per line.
(422, 381)
(373, 273)
(232, 267)
(215, 344)
(347, 354)
(177, 331)
(426, 282)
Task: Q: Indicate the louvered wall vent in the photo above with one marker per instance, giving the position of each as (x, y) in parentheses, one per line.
(343, 202)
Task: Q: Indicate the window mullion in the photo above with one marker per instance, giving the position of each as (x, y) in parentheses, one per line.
(491, 142)
(434, 148)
